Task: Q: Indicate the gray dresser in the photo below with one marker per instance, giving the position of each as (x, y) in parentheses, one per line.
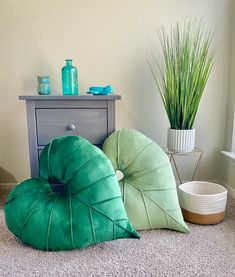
(89, 116)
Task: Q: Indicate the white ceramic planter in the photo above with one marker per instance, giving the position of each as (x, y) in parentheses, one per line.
(181, 140)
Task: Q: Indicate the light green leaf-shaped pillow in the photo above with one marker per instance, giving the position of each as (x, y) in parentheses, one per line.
(88, 210)
(148, 185)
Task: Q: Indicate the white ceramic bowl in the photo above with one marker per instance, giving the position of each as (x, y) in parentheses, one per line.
(200, 199)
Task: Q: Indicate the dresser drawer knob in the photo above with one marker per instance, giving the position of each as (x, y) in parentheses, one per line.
(70, 127)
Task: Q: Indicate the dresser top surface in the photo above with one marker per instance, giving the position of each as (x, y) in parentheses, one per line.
(70, 97)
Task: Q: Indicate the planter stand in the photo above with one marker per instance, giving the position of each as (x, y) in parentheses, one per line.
(172, 156)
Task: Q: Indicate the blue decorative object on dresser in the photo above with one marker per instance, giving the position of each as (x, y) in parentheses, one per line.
(44, 85)
(69, 78)
(100, 90)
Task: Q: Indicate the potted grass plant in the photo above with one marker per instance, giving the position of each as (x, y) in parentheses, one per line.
(181, 78)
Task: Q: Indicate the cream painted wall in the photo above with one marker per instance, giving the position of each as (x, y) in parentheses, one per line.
(109, 41)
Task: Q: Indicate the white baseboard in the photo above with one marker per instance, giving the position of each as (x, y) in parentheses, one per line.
(6, 187)
(231, 190)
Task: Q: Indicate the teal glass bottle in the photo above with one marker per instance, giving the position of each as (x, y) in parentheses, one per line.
(69, 79)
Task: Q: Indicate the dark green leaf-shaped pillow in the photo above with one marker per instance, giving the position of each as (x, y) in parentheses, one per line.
(88, 210)
(148, 185)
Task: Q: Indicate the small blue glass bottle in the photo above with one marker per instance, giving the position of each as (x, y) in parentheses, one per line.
(69, 79)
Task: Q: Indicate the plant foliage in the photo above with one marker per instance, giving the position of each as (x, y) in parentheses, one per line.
(183, 71)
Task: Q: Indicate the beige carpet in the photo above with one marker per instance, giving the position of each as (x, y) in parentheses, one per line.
(206, 251)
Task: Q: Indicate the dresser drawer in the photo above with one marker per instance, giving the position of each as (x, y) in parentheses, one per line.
(88, 123)
(49, 116)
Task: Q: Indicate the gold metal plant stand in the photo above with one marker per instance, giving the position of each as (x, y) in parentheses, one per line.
(172, 154)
